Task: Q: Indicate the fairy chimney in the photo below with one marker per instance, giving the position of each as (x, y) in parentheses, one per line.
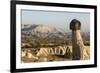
(77, 42)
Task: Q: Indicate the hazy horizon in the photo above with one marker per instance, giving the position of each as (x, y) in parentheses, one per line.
(60, 20)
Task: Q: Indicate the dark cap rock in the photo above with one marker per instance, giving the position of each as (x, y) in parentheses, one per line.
(75, 24)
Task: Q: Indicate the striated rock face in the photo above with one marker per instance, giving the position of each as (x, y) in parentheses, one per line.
(53, 51)
(43, 52)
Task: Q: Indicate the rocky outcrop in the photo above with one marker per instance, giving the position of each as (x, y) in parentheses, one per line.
(53, 51)
(80, 52)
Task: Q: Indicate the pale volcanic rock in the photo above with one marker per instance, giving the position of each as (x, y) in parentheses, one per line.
(44, 29)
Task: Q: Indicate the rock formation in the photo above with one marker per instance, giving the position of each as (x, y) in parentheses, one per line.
(52, 51)
(78, 48)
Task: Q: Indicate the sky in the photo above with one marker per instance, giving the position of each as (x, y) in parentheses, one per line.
(59, 19)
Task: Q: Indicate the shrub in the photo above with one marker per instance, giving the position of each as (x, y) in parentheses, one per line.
(68, 53)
